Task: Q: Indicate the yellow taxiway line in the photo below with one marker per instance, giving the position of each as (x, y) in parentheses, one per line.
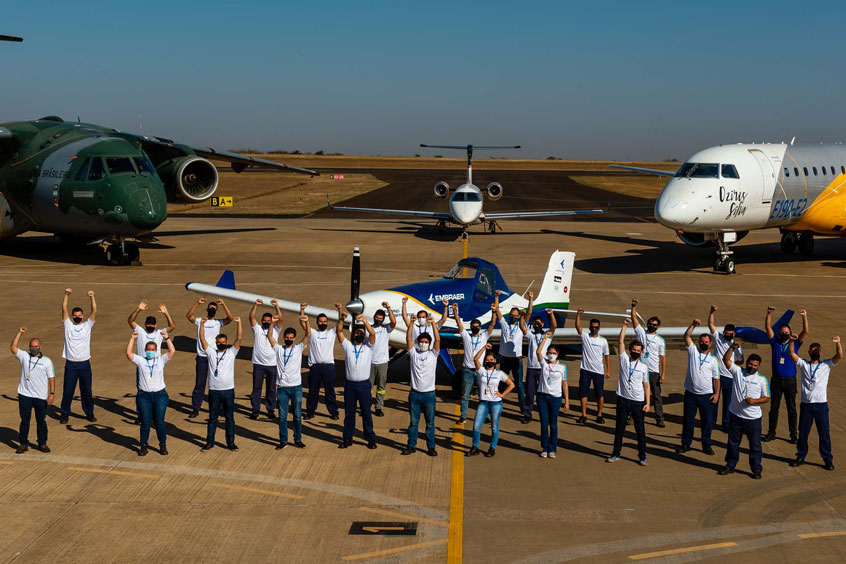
(822, 535)
(646, 555)
(403, 516)
(455, 536)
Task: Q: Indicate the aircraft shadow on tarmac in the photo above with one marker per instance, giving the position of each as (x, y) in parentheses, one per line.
(425, 231)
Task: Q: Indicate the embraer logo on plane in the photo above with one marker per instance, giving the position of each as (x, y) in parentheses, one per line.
(449, 297)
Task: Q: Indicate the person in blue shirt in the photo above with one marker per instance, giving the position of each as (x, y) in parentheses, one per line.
(783, 381)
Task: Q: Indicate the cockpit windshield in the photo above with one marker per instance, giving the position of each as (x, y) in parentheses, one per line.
(466, 197)
(143, 164)
(464, 269)
(119, 165)
(699, 170)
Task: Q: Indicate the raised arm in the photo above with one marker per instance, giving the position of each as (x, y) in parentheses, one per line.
(65, 298)
(252, 315)
(768, 322)
(239, 333)
(130, 346)
(404, 311)
(171, 350)
(93, 305)
(275, 305)
(369, 328)
(689, 332)
(805, 329)
(190, 315)
(494, 311)
(712, 319)
(479, 354)
(270, 338)
(445, 315)
(202, 334)
(457, 318)
(635, 322)
(306, 329)
(539, 352)
(409, 341)
(621, 340)
(136, 312)
(522, 322)
(496, 303)
(171, 324)
(553, 322)
(393, 318)
(729, 354)
(229, 319)
(838, 352)
(436, 335)
(339, 328)
(792, 350)
(528, 314)
(579, 313)
(14, 346)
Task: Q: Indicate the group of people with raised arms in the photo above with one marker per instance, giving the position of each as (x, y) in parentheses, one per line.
(278, 358)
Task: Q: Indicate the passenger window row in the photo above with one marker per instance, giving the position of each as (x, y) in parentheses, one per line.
(822, 170)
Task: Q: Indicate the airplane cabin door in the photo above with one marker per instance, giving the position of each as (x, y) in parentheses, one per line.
(768, 175)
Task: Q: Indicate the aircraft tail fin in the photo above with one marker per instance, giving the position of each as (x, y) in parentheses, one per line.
(227, 280)
(555, 289)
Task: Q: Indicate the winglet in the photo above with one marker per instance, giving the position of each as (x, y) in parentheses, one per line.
(227, 280)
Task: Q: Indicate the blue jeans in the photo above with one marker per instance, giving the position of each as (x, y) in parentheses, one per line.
(25, 405)
(222, 401)
(77, 371)
(533, 376)
(752, 429)
(201, 375)
(263, 376)
(424, 401)
(548, 408)
(707, 417)
(293, 396)
(357, 392)
(321, 375)
(468, 379)
(485, 407)
(513, 365)
(152, 406)
(725, 392)
(810, 413)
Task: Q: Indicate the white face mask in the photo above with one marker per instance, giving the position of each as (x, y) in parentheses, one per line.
(551, 357)
(421, 321)
(424, 347)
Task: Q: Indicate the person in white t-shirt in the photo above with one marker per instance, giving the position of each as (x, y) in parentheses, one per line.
(421, 318)
(381, 354)
(264, 359)
(77, 355)
(289, 383)
(512, 332)
(553, 382)
(152, 395)
(655, 355)
(473, 341)
(813, 408)
(701, 390)
(488, 379)
(210, 329)
(149, 333)
(633, 395)
(534, 367)
(595, 366)
(221, 377)
(749, 391)
(321, 369)
(36, 391)
(722, 342)
(358, 355)
(423, 366)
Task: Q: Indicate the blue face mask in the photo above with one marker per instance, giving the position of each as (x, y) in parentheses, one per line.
(150, 354)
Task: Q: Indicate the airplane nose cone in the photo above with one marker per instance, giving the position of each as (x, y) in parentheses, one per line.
(672, 210)
(465, 213)
(147, 206)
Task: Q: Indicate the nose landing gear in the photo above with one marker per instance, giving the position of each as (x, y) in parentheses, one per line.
(121, 253)
(724, 263)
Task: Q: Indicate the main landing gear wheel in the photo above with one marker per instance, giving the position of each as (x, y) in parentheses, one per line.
(806, 244)
(724, 262)
(789, 242)
(122, 254)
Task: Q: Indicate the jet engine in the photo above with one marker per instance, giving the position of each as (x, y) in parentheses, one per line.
(494, 190)
(191, 178)
(441, 190)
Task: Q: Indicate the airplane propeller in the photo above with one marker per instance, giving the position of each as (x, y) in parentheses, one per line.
(355, 306)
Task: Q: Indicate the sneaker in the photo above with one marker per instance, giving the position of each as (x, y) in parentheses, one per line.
(379, 413)
(491, 452)
(432, 452)
(91, 418)
(582, 420)
(643, 462)
(660, 423)
(233, 447)
(43, 448)
(792, 440)
(271, 414)
(473, 451)
(708, 450)
(797, 462)
(334, 416)
(725, 470)
(612, 458)
(756, 476)
(461, 421)
(682, 449)
(137, 421)
(22, 448)
(551, 455)
(299, 444)
(406, 451)
(254, 415)
(371, 445)
(308, 416)
(768, 437)
(207, 447)
(345, 444)
(163, 450)
(63, 420)
(280, 446)
(526, 420)
(829, 465)
(142, 451)
(601, 420)
(543, 455)
(193, 414)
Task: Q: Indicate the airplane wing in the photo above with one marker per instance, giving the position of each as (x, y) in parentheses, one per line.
(433, 215)
(645, 170)
(507, 215)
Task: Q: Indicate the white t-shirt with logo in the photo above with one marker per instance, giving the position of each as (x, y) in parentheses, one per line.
(511, 340)
(747, 386)
(221, 368)
(263, 354)
(77, 340)
(211, 329)
(357, 360)
(419, 330)
(289, 363)
(815, 380)
(552, 378)
(472, 344)
(488, 382)
(35, 371)
(654, 347)
(721, 345)
(702, 370)
(381, 350)
(633, 375)
(150, 372)
(424, 366)
(321, 347)
(144, 338)
(532, 356)
(594, 351)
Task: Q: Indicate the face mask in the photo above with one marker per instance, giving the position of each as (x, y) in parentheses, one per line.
(423, 347)
(150, 329)
(77, 320)
(538, 329)
(222, 346)
(634, 355)
(651, 328)
(728, 337)
(783, 338)
(489, 364)
(210, 312)
(322, 326)
(35, 351)
(377, 322)
(815, 355)
(289, 342)
(750, 371)
(265, 325)
(421, 321)
(150, 354)
(513, 319)
(358, 338)
(551, 357)
(704, 347)
(475, 330)
(594, 330)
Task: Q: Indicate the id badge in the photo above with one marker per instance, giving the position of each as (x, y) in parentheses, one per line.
(812, 385)
(781, 360)
(487, 391)
(215, 373)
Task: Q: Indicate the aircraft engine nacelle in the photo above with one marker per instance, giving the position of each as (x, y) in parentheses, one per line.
(191, 178)
(441, 190)
(494, 190)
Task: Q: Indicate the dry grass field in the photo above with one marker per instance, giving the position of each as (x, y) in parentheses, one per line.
(640, 186)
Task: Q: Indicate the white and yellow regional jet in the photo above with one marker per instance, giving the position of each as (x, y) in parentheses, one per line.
(721, 193)
(465, 204)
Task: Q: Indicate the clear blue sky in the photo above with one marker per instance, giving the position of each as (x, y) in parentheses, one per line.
(599, 79)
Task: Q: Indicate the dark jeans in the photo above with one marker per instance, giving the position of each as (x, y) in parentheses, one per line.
(468, 380)
(201, 375)
(707, 417)
(293, 396)
(152, 407)
(25, 405)
(725, 392)
(425, 402)
(783, 387)
(357, 392)
(655, 390)
(513, 365)
(263, 375)
(548, 408)
(626, 407)
(810, 413)
(321, 375)
(222, 401)
(752, 429)
(80, 371)
(533, 376)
